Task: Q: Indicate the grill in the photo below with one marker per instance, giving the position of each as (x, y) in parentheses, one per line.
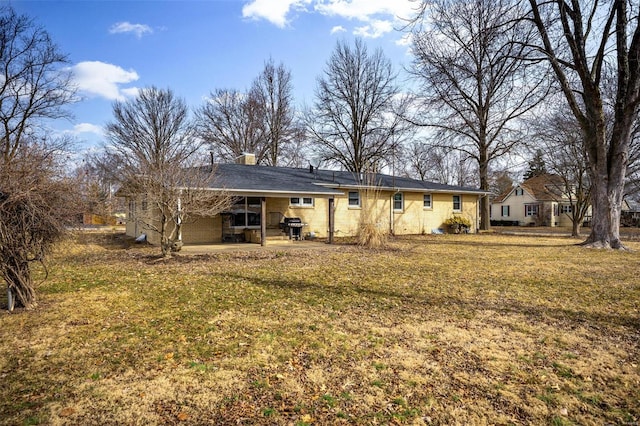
(292, 226)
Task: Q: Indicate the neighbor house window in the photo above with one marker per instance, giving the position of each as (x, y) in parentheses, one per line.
(457, 203)
(519, 191)
(566, 208)
(531, 210)
(398, 201)
(505, 210)
(426, 201)
(301, 201)
(354, 199)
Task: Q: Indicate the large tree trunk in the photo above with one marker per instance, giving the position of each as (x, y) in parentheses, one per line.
(608, 174)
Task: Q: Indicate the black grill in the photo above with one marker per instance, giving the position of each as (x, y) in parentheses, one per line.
(292, 226)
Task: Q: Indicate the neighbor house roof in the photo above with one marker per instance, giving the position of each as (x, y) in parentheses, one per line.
(240, 178)
(631, 206)
(545, 187)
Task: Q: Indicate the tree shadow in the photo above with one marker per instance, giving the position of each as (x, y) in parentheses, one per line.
(418, 302)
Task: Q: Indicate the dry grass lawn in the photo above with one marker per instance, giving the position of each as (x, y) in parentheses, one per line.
(469, 329)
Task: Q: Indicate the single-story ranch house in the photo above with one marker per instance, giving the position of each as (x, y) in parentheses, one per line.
(324, 203)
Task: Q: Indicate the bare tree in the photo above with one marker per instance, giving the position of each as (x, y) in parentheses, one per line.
(580, 40)
(475, 86)
(440, 164)
(96, 185)
(632, 186)
(561, 149)
(152, 141)
(37, 203)
(501, 181)
(34, 197)
(231, 123)
(33, 86)
(272, 91)
(353, 122)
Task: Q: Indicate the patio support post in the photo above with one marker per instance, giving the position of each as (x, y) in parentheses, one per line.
(331, 220)
(263, 221)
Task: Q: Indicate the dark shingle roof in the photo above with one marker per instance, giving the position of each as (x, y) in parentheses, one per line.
(253, 178)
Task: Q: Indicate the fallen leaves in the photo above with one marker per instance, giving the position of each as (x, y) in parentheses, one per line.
(433, 328)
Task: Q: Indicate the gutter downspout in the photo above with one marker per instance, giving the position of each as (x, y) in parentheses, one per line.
(478, 213)
(179, 219)
(331, 219)
(263, 221)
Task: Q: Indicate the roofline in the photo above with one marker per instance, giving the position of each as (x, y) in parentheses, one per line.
(257, 193)
(403, 189)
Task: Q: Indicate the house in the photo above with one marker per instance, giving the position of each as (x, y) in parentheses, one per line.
(538, 201)
(630, 214)
(325, 203)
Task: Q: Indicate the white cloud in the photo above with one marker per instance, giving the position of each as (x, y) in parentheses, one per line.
(101, 79)
(378, 17)
(366, 10)
(274, 11)
(127, 27)
(375, 29)
(87, 128)
(405, 40)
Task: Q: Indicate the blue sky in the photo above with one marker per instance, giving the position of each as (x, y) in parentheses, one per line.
(195, 47)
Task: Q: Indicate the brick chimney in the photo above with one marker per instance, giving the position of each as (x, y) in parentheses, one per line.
(246, 159)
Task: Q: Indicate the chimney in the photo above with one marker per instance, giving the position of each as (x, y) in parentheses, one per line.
(246, 159)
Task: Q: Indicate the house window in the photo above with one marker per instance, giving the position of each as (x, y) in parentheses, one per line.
(245, 212)
(519, 191)
(132, 209)
(354, 199)
(301, 201)
(398, 201)
(505, 211)
(426, 201)
(457, 203)
(566, 208)
(531, 210)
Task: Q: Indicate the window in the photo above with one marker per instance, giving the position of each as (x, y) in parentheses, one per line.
(505, 211)
(566, 208)
(457, 203)
(132, 209)
(301, 202)
(245, 212)
(354, 199)
(519, 191)
(398, 201)
(426, 203)
(531, 210)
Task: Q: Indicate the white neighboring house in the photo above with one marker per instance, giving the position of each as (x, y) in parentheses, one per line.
(630, 215)
(538, 201)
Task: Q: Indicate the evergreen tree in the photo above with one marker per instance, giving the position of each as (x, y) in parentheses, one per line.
(537, 166)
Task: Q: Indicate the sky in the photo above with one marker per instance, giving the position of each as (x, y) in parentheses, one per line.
(116, 48)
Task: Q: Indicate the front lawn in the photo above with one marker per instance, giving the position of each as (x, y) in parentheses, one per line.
(466, 329)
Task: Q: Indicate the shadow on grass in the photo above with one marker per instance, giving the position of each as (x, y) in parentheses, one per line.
(417, 303)
(479, 243)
